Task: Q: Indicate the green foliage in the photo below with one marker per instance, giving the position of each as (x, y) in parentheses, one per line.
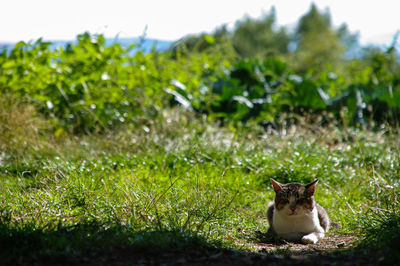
(218, 44)
(314, 45)
(88, 86)
(260, 38)
(91, 87)
(318, 45)
(264, 90)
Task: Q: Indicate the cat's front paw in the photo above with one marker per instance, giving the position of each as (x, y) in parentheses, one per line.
(309, 239)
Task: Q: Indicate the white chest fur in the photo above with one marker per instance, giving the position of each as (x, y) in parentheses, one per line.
(293, 227)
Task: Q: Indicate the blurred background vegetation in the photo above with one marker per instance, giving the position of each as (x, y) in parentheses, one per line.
(257, 71)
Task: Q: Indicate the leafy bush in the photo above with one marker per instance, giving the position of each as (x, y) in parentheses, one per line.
(89, 87)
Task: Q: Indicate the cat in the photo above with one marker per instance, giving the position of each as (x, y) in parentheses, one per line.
(294, 215)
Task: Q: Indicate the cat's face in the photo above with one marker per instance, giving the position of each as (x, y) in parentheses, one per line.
(294, 198)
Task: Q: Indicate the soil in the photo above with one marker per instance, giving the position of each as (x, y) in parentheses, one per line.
(333, 249)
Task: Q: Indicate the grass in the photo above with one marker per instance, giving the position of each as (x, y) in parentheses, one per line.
(180, 183)
(381, 231)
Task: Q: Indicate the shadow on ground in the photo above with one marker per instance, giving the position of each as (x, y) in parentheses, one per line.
(102, 244)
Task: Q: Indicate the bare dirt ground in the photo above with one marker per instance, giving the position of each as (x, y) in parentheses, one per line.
(332, 250)
(327, 245)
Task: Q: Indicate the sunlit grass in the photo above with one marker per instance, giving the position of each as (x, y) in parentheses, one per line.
(198, 182)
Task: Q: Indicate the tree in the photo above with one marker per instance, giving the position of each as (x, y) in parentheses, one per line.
(318, 45)
(258, 38)
(219, 42)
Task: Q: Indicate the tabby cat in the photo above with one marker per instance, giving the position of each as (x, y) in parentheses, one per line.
(294, 215)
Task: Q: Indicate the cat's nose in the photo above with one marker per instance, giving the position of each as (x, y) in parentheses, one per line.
(292, 208)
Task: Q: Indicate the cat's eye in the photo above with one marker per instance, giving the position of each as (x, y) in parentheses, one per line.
(284, 201)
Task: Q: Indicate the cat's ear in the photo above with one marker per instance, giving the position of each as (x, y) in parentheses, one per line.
(277, 186)
(312, 186)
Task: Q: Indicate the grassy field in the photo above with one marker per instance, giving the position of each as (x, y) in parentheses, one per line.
(180, 183)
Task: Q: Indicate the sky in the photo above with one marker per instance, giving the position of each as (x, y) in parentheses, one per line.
(375, 21)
